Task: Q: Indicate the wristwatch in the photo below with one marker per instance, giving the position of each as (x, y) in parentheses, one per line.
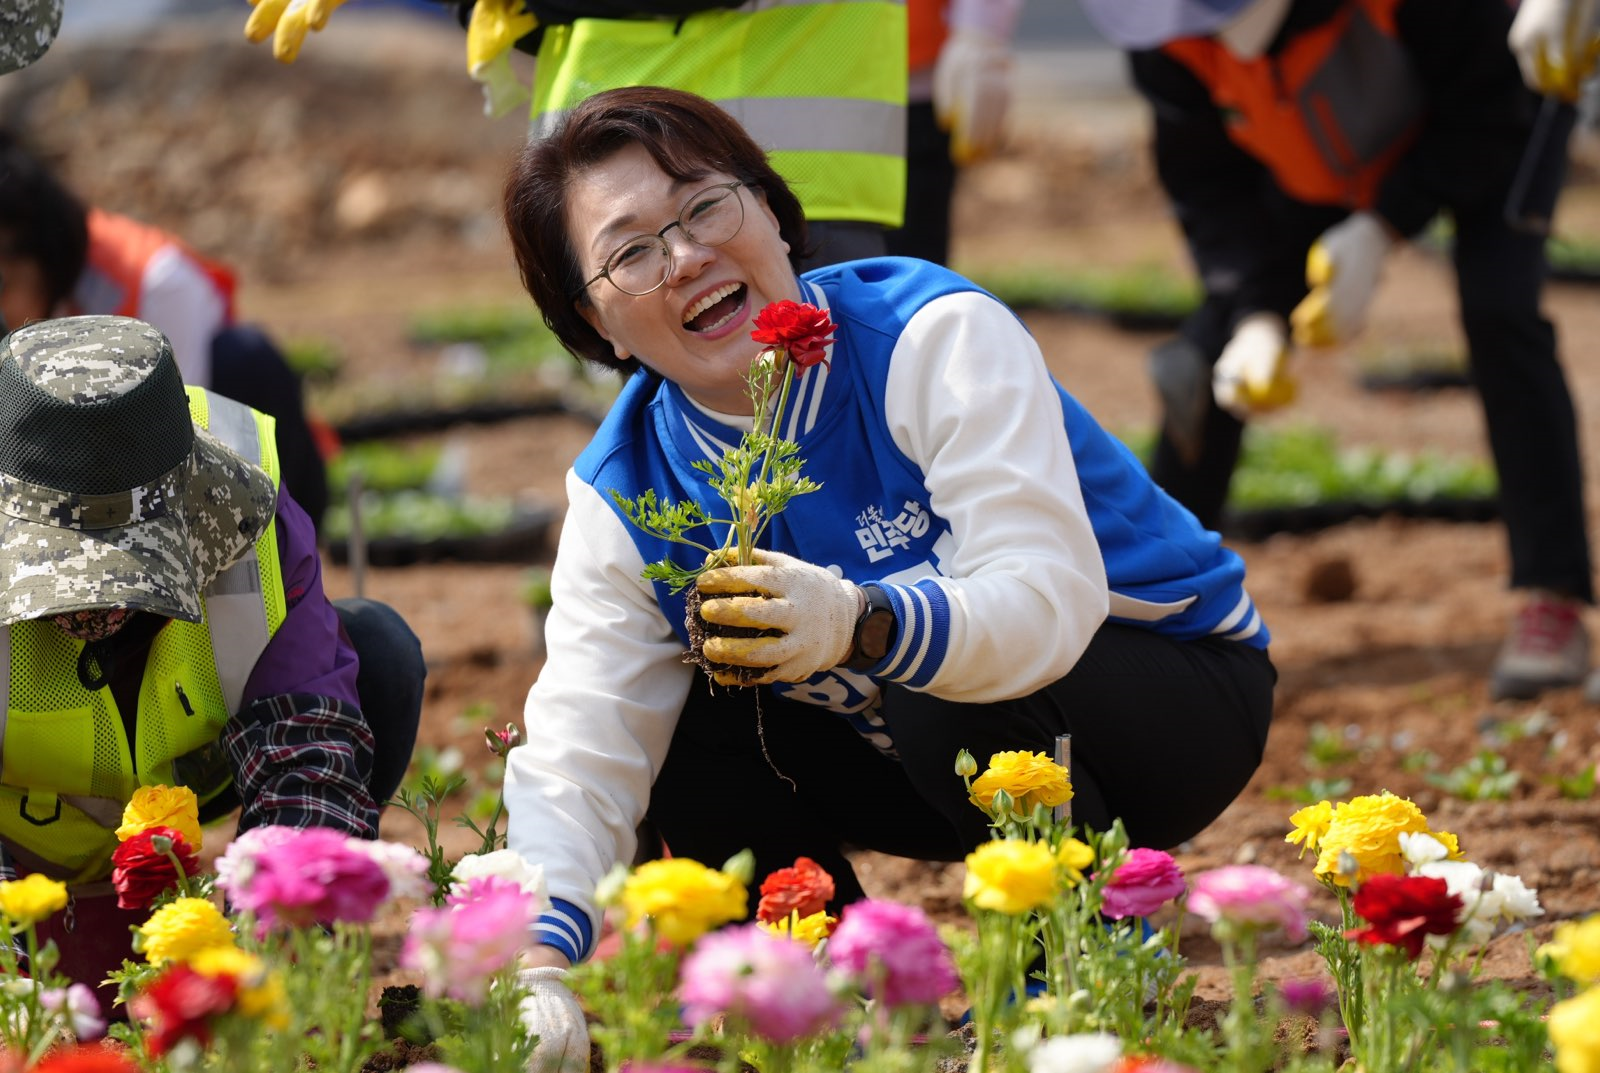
(876, 630)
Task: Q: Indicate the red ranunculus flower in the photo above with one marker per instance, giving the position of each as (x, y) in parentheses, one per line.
(95, 1058)
(803, 330)
(140, 874)
(1403, 911)
(803, 889)
(180, 1005)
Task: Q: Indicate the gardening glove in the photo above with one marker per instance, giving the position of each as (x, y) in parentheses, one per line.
(1252, 375)
(813, 611)
(550, 1011)
(971, 90)
(287, 21)
(496, 26)
(1556, 45)
(1342, 269)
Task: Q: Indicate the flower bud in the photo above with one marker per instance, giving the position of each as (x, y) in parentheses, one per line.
(501, 742)
(161, 843)
(966, 766)
(741, 866)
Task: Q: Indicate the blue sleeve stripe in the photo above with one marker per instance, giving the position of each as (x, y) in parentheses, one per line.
(924, 614)
(567, 928)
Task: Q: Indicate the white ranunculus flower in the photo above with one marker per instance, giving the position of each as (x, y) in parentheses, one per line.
(1517, 901)
(1480, 907)
(1088, 1052)
(1420, 848)
(404, 866)
(503, 864)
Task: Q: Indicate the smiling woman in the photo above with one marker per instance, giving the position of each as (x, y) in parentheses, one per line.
(981, 566)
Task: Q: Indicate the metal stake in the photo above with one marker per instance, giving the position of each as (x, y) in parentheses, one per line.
(1064, 758)
(358, 537)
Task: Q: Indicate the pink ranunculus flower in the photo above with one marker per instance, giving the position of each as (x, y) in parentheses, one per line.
(480, 930)
(297, 878)
(770, 983)
(1145, 881)
(899, 942)
(1309, 996)
(1253, 896)
(404, 867)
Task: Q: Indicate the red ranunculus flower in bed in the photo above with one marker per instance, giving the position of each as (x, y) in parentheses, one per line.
(1403, 911)
(141, 874)
(803, 889)
(93, 1058)
(797, 327)
(180, 1005)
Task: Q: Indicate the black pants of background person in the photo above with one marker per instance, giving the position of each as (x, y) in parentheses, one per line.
(930, 186)
(1165, 735)
(248, 367)
(96, 937)
(1527, 408)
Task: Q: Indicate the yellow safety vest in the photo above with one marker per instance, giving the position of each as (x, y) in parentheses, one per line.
(67, 768)
(820, 86)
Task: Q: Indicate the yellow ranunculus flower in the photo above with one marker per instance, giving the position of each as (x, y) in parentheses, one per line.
(183, 928)
(1575, 1033)
(1074, 857)
(1310, 824)
(32, 898)
(1450, 842)
(809, 930)
(1368, 828)
(260, 996)
(1575, 948)
(1010, 876)
(162, 806)
(1031, 778)
(683, 898)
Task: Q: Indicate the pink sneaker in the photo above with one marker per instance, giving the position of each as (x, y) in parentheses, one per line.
(1547, 648)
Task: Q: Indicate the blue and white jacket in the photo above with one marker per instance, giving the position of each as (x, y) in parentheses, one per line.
(1004, 523)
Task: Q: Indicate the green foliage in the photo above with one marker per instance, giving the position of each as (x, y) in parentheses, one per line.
(383, 467)
(535, 589)
(1311, 792)
(1486, 777)
(421, 516)
(425, 804)
(314, 359)
(1147, 289)
(1579, 787)
(1326, 747)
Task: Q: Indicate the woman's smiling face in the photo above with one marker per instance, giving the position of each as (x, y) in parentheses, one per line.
(695, 329)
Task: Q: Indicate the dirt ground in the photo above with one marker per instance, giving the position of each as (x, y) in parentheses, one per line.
(360, 186)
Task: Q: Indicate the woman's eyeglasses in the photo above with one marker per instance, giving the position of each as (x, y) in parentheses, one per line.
(643, 263)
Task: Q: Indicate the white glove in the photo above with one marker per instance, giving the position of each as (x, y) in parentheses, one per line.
(287, 21)
(815, 611)
(550, 1011)
(1252, 375)
(971, 91)
(1342, 268)
(1556, 45)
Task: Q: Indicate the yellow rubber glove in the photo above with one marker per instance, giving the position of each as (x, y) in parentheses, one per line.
(1342, 269)
(1252, 376)
(495, 26)
(1556, 44)
(287, 21)
(812, 613)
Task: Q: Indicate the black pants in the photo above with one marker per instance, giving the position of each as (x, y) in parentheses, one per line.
(1165, 734)
(1527, 408)
(247, 366)
(930, 188)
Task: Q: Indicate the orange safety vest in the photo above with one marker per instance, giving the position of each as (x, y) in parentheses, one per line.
(119, 251)
(926, 28)
(1330, 113)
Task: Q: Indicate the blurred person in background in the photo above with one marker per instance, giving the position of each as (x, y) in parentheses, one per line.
(821, 85)
(59, 257)
(27, 29)
(958, 95)
(164, 624)
(1300, 142)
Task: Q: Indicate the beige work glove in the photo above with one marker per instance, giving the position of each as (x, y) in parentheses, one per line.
(287, 21)
(550, 1011)
(971, 92)
(1252, 376)
(814, 611)
(1556, 45)
(1342, 270)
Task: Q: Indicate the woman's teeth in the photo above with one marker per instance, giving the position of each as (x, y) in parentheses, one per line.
(708, 301)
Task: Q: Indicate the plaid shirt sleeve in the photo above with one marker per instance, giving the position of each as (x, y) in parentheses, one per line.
(303, 760)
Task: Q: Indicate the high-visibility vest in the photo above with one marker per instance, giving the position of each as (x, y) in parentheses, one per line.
(820, 85)
(1330, 113)
(67, 765)
(120, 250)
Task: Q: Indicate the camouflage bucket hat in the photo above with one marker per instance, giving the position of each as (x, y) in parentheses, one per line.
(26, 29)
(110, 495)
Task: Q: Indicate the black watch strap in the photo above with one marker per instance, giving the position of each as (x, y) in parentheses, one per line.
(876, 631)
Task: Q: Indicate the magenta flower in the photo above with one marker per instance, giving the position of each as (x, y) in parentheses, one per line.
(770, 983)
(1251, 896)
(296, 878)
(897, 943)
(1306, 995)
(1145, 881)
(480, 930)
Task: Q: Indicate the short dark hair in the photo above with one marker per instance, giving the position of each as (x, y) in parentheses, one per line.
(41, 219)
(688, 136)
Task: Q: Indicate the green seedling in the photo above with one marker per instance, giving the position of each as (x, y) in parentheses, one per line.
(1419, 760)
(1326, 747)
(1486, 777)
(1311, 792)
(535, 589)
(1144, 289)
(1579, 787)
(314, 359)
